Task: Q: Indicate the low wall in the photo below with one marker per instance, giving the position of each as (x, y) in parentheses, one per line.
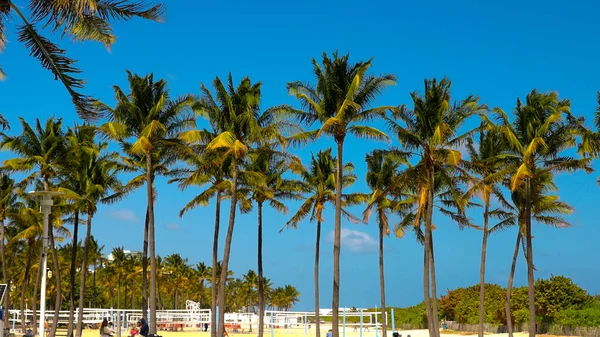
(549, 329)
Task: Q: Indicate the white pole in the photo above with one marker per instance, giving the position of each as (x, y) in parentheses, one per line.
(46, 205)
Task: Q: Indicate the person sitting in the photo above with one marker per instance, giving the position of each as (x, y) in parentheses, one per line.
(135, 330)
(105, 330)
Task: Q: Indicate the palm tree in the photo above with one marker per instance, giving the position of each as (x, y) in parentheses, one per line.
(8, 199)
(97, 178)
(340, 101)
(205, 167)
(149, 117)
(202, 273)
(270, 165)
(28, 223)
(382, 169)
(88, 20)
(161, 162)
(431, 131)
(177, 268)
(487, 164)
(319, 182)
(235, 115)
(543, 128)
(41, 153)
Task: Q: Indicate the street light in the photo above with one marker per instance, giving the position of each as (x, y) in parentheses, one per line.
(46, 203)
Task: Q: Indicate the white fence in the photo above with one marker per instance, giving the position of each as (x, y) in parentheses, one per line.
(198, 318)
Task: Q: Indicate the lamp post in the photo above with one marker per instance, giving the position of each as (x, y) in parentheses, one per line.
(46, 203)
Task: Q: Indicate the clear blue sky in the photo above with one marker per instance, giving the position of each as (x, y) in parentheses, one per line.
(497, 50)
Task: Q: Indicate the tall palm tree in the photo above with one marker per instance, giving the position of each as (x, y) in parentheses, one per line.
(319, 182)
(431, 130)
(382, 169)
(546, 209)
(542, 130)
(271, 188)
(149, 117)
(98, 183)
(487, 165)
(206, 167)
(235, 115)
(88, 20)
(340, 101)
(41, 152)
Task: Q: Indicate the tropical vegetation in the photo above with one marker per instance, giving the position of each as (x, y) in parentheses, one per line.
(443, 157)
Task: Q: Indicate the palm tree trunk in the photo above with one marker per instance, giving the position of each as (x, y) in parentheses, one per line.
(72, 276)
(4, 270)
(26, 282)
(56, 275)
(261, 293)
(435, 328)
(227, 249)
(151, 243)
(145, 269)
(434, 310)
(426, 287)
(317, 313)
(335, 303)
(119, 289)
(530, 276)
(382, 277)
(84, 268)
(215, 265)
(34, 296)
(513, 266)
(482, 268)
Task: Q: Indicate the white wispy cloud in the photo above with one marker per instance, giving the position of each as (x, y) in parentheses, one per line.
(355, 241)
(173, 227)
(124, 215)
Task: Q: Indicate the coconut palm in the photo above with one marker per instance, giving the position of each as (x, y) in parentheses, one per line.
(319, 182)
(176, 267)
(28, 223)
(271, 188)
(97, 183)
(87, 180)
(431, 131)
(161, 162)
(150, 118)
(206, 167)
(340, 101)
(40, 151)
(590, 139)
(88, 20)
(542, 130)
(235, 115)
(79, 145)
(488, 169)
(546, 209)
(382, 169)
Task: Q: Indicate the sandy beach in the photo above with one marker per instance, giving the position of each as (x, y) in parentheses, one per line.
(299, 332)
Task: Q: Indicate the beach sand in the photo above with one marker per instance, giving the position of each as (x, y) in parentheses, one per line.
(299, 332)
